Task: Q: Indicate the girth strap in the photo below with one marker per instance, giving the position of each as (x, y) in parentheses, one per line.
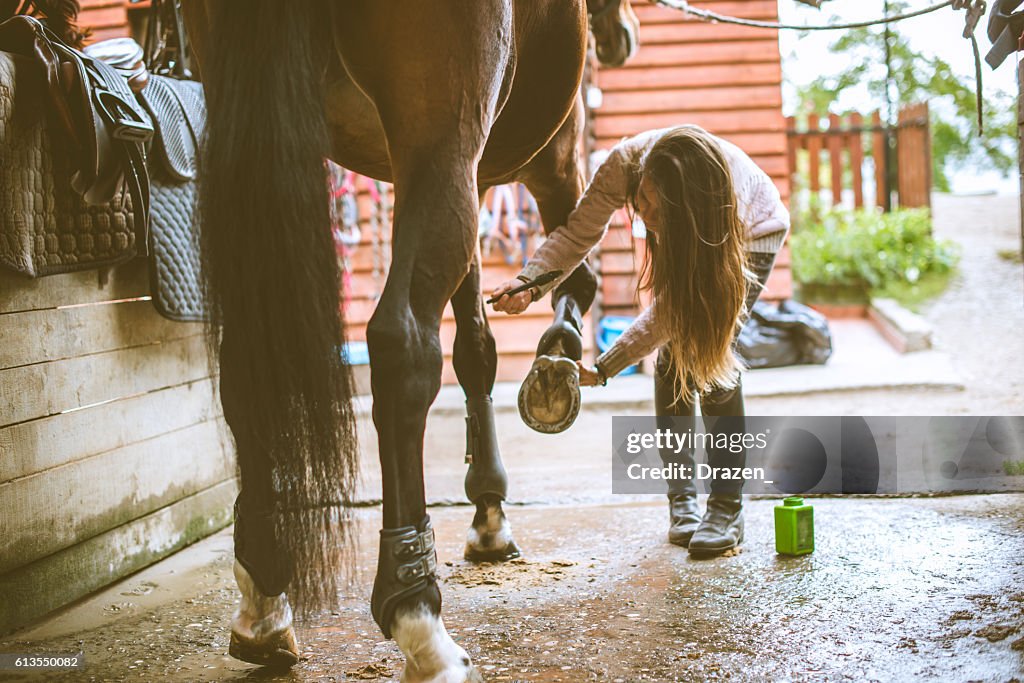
(406, 565)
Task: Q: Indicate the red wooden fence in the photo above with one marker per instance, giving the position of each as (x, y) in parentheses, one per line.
(843, 140)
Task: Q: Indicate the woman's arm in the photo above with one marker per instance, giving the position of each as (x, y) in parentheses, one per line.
(637, 342)
(567, 246)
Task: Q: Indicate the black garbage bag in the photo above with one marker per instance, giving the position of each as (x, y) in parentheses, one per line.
(789, 334)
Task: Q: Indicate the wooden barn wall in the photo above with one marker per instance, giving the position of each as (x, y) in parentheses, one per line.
(113, 452)
(724, 78)
(516, 336)
(104, 18)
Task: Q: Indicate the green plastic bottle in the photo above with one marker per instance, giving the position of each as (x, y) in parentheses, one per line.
(794, 527)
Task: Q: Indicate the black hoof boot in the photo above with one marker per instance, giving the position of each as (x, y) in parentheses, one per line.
(684, 518)
(721, 529)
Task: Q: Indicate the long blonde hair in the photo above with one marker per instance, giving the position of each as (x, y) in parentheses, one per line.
(696, 267)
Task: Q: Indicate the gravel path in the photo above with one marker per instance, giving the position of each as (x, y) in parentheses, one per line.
(979, 320)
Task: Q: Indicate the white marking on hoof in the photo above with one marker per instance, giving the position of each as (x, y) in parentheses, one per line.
(431, 656)
(495, 535)
(258, 615)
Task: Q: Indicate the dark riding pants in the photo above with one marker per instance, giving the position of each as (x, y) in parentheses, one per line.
(725, 406)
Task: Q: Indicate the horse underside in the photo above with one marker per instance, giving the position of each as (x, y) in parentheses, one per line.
(443, 102)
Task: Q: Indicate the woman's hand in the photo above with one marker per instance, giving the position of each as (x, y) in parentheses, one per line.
(589, 377)
(514, 304)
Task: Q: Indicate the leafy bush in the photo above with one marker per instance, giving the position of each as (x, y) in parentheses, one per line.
(868, 249)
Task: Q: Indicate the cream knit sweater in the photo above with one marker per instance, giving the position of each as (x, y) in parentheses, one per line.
(759, 204)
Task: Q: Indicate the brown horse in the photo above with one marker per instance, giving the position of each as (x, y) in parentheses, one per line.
(444, 99)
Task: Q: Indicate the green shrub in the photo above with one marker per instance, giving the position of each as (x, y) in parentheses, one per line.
(867, 249)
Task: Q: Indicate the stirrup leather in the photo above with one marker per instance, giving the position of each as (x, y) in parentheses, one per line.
(406, 565)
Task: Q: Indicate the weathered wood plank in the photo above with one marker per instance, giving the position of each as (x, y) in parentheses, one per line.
(681, 100)
(37, 445)
(511, 333)
(684, 32)
(814, 144)
(779, 285)
(650, 14)
(717, 122)
(126, 281)
(109, 16)
(35, 391)
(760, 144)
(699, 76)
(763, 49)
(56, 580)
(56, 334)
(47, 512)
(856, 146)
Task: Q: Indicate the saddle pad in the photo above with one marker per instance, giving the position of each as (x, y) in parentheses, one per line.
(179, 114)
(45, 226)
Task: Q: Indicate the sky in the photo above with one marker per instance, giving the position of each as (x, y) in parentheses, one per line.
(938, 34)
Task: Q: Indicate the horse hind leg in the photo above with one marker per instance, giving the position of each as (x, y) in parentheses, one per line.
(475, 359)
(261, 630)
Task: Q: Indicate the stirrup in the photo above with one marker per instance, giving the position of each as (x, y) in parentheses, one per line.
(406, 565)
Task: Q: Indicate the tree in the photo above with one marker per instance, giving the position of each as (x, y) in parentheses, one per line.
(917, 77)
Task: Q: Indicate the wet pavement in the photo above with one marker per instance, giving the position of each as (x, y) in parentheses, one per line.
(897, 589)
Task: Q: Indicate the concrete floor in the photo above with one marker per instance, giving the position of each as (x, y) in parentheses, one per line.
(897, 589)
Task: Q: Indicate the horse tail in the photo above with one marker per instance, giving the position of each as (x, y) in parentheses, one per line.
(272, 284)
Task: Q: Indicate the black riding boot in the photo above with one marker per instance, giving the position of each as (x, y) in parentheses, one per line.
(721, 529)
(684, 515)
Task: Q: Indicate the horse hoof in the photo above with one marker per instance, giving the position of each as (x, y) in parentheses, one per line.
(549, 399)
(431, 656)
(476, 555)
(278, 650)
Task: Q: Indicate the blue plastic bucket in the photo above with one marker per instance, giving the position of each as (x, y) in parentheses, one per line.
(355, 353)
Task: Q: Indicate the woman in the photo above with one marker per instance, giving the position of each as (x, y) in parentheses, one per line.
(715, 222)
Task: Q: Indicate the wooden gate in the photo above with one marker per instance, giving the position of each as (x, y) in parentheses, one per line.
(908, 171)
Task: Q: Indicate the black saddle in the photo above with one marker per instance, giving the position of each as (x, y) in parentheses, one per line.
(95, 113)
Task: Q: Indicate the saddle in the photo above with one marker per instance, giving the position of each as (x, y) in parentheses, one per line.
(72, 156)
(81, 187)
(95, 114)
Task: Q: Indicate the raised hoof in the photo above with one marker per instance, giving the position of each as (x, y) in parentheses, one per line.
(509, 552)
(549, 399)
(279, 650)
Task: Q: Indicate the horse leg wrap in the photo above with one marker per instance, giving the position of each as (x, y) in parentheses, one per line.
(565, 336)
(256, 548)
(486, 474)
(406, 565)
